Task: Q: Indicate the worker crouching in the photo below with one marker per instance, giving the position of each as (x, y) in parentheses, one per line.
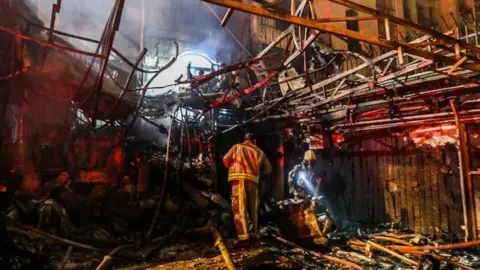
(304, 180)
(246, 163)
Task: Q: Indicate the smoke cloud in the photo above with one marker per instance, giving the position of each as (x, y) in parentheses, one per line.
(188, 22)
(154, 24)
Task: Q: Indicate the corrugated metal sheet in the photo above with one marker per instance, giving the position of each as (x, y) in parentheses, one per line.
(424, 199)
(473, 131)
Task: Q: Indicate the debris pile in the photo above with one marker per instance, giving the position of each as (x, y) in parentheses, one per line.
(164, 209)
(69, 225)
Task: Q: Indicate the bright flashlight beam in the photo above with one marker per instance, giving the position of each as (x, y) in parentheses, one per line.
(306, 182)
(309, 186)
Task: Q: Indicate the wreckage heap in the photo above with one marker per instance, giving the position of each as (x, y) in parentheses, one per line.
(87, 183)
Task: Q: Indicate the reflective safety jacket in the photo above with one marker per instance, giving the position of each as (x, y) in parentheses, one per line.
(245, 161)
(302, 181)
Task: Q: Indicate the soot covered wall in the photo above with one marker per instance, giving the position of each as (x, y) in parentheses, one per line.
(377, 178)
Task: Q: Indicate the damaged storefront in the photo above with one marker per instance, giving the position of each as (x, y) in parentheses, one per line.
(223, 134)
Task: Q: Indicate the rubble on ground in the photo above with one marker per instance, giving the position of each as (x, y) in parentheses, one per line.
(69, 226)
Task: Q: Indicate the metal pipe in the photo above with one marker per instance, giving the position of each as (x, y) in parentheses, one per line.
(226, 18)
(144, 91)
(55, 9)
(462, 177)
(182, 128)
(258, 114)
(316, 254)
(466, 31)
(347, 73)
(7, 94)
(165, 176)
(239, 43)
(475, 118)
(475, 32)
(47, 44)
(358, 92)
(447, 247)
(11, 11)
(127, 83)
(103, 68)
(247, 91)
(204, 78)
(219, 243)
(66, 257)
(107, 258)
(142, 24)
(90, 66)
(415, 117)
(471, 200)
(27, 230)
(188, 138)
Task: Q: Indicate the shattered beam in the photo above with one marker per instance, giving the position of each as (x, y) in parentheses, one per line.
(258, 10)
(343, 19)
(433, 33)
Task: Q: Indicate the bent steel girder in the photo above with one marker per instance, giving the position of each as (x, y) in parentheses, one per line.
(264, 77)
(447, 39)
(309, 23)
(437, 52)
(367, 63)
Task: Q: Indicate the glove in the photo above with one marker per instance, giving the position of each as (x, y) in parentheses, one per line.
(306, 203)
(300, 195)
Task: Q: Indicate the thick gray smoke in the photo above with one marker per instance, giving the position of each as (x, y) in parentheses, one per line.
(154, 24)
(189, 22)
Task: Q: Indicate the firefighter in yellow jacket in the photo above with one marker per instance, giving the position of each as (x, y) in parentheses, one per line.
(245, 163)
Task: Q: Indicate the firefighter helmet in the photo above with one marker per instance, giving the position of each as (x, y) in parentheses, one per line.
(249, 137)
(310, 155)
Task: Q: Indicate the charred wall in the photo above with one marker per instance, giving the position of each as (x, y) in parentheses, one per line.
(377, 178)
(473, 132)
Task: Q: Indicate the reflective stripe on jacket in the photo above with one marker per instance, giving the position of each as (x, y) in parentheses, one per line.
(245, 161)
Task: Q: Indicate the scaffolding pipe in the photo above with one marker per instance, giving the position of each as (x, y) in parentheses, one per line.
(145, 88)
(47, 44)
(165, 177)
(127, 83)
(416, 123)
(462, 177)
(30, 23)
(407, 118)
(103, 68)
(219, 243)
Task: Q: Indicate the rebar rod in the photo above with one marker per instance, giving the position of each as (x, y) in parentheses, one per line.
(165, 178)
(127, 83)
(98, 83)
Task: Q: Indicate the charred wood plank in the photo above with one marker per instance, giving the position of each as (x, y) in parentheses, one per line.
(403, 181)
(364, 179)
(379, 200)
(350, 183)
(442, 191)
(416, 171)
(357, 177)
(436, 177)
(371, 180)
(427, 168)
(397, 179)
(410, 182)
(381, 181)
(389, 177)
(422, 193)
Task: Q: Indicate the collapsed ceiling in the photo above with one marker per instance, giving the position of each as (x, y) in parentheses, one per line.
(395, 81)
(102, 80)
